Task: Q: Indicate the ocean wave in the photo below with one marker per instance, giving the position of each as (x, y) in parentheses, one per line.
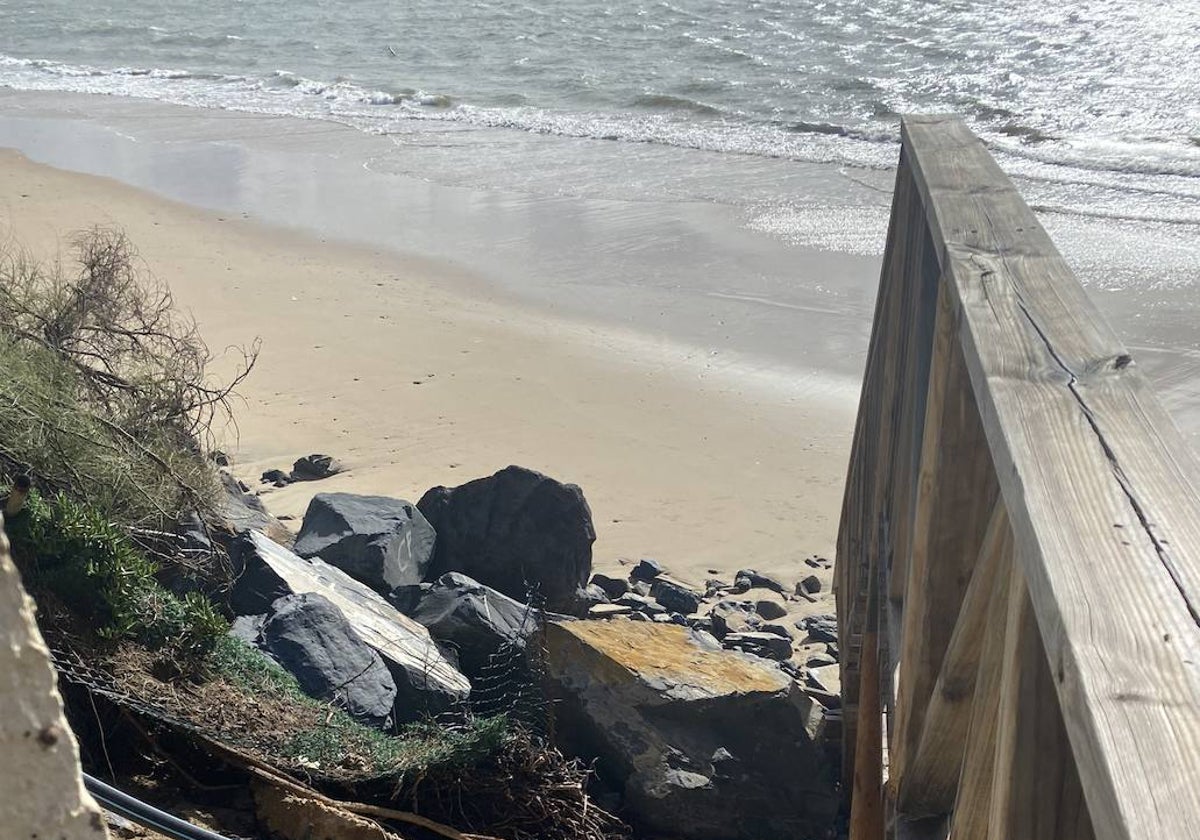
(661, 119)
(667, 102)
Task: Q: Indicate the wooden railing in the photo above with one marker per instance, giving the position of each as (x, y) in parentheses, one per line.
(1018, 577)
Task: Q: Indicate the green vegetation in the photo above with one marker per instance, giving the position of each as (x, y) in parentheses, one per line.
(70, 549)
(340, 740)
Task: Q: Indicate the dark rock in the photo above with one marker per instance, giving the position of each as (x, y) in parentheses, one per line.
(426, 683)
(770, 610)
(777, 629)
(766, 645)
(637, 616)
(219, 458)
(640, 603)
(646, 570)
(728, 617)
(701, 623)
(708, 743)
(473, 619)
(312, 640)
(516, 531)
(758, 581)
(277, 477)
(820, 628)
(811, 585)
(713, 587)
(380, 541)
(818, 660)
(613, 587)
(247, 628)
(832, 650)
(591, 596)
(315, 467)
(675, 596)
(239, 512)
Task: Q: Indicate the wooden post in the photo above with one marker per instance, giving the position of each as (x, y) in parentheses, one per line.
(866, 804)
(1035, 788)
(931, 780)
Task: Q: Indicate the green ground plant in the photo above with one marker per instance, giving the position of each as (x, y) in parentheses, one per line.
(417, 748)
(70, 549)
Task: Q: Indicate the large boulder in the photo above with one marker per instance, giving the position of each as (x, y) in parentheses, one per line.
(382, 542)
(473, 619)
(516, 531)
(426, 682)
(312, 640)
(705, 744)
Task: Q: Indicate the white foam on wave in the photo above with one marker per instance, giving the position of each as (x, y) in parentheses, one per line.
(1150, 167)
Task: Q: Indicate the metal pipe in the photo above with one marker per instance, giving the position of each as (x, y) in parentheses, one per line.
(146, 815)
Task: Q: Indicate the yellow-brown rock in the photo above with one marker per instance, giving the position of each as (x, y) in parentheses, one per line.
(703, 742)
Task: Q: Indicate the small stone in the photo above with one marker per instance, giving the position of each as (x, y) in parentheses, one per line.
(818, 660)
(661, 618)
(758, 581)
(608, 610)
(315, 467)
(820, 628)
(770, 610)
(766, 645)
(777, 629)
(641, 588)
(614, 587)
(646, 570)
(675, 596)
(277, 477)
(810, 585)
(637, 616)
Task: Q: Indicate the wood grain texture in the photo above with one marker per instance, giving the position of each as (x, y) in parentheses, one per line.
(1036, 793)
(931, 780)
(1101, 489)
(972, 807)
(956, 491)
(866, 804)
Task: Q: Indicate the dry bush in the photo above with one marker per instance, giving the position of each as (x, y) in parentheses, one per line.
(107, 393)
(141, 362)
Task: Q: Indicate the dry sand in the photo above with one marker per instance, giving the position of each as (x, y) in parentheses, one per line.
(415, 374)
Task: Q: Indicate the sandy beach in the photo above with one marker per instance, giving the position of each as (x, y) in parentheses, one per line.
(414, 375)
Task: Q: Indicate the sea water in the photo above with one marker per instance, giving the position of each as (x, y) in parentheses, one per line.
(642, 129)
(1095, 104)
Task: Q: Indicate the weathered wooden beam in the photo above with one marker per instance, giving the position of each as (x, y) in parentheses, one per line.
(931, 779)
(866, 803)
(972, 808)
(956, 491)
(1102, 491)
(1036, 793)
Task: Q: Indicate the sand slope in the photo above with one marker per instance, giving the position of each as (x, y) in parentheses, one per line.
(415, 374)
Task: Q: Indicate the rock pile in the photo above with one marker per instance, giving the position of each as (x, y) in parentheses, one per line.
(691, 698)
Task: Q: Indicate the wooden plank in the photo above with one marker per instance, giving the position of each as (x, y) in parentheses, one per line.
(1036, 793)
(862, 535)
(931, 780)
(956, 492)
(972, 808)
(1100, 487)
(866, 803)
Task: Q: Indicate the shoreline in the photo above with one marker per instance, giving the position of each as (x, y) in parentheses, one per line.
(690, 469)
